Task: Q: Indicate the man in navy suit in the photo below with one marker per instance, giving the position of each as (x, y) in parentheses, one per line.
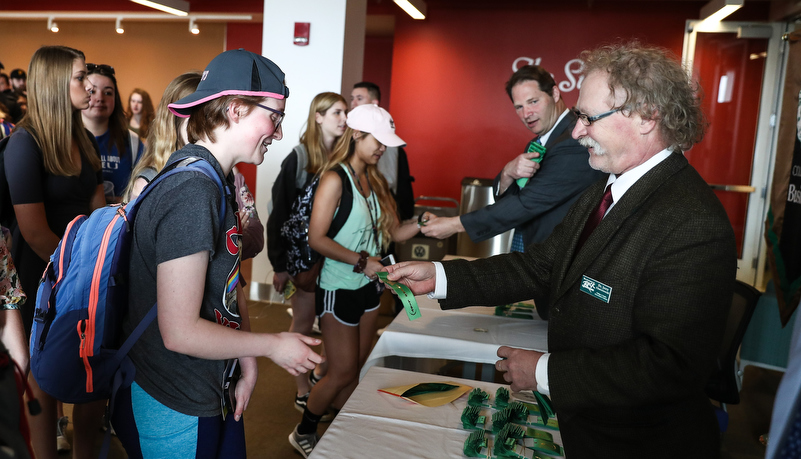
(554, 183)
(638, 277)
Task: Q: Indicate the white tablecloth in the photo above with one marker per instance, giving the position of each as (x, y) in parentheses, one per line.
(376, 425)
(471, 334)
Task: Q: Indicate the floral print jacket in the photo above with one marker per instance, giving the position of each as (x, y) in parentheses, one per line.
(11, 294)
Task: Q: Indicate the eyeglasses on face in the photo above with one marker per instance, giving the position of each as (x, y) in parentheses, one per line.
(587, 120)
(277, 112)
(101, 69)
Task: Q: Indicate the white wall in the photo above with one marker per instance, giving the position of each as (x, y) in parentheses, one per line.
(310, 70)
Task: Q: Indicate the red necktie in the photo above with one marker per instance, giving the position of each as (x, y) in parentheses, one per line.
(596, 216)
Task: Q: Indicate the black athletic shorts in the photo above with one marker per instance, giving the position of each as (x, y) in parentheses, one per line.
(347, 306)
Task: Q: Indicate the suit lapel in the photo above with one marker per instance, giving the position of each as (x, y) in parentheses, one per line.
(572, 267)
(585, 204)
(562, 130)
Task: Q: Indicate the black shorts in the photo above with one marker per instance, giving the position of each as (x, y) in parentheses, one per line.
(347, 306)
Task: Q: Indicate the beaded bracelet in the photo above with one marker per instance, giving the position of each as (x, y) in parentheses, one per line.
(362, 263)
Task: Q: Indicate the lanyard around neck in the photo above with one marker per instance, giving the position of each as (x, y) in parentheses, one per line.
(367, 200)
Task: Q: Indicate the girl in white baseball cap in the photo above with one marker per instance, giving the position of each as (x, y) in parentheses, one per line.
(347, 294)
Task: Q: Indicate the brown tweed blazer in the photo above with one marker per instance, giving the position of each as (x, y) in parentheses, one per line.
(626, 377)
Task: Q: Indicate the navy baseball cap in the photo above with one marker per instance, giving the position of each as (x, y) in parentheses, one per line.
(235, 72)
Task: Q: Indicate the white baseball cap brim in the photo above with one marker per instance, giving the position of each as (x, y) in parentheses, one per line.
(376, 121)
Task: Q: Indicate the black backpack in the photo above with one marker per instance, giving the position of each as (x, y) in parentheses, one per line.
(301, 257)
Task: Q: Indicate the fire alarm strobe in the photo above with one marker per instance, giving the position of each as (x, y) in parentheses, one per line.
(302, 33)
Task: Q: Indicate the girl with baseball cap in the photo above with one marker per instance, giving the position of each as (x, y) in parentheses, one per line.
(185, 259)
(347, 294)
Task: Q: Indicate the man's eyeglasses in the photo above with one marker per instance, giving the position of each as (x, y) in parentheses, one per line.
(277, 112)
(587, 120)
(102, 69)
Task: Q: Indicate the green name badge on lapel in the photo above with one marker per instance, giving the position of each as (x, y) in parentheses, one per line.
(596, 289)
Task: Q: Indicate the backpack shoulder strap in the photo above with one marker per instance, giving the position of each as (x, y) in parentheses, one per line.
(148, 174)
(301, 175)
(133, 139)
(188, 163)
(345, 204)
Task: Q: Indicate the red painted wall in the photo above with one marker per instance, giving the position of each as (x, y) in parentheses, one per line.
(378, 65)
(449, 72)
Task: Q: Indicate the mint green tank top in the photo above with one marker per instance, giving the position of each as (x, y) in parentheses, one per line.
(356, 235)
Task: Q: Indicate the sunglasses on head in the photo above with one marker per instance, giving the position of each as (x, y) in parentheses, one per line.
(101, 69)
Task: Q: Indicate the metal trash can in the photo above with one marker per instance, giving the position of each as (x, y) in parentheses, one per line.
(478, 193)
(424, 248)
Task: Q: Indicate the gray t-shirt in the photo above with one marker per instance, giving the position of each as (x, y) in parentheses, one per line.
(180, 217)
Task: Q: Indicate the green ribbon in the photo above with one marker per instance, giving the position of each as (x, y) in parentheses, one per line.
(532, 147)
(406, 296)
(427, 388)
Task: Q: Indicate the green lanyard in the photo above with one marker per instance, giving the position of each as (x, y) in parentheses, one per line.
(406, 296)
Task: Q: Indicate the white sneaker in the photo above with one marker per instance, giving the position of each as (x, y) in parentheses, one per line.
(61, 435)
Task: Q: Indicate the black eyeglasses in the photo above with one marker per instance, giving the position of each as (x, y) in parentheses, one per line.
(587, 120)
(102, 69)
(277, 112)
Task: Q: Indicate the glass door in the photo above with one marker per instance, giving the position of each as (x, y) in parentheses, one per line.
(737, 66)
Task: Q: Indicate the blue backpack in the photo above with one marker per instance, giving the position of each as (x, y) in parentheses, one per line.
(76, 353)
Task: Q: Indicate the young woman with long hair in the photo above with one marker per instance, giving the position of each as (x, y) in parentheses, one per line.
(347, 294)
(53, 171)
(325, 125)
(120, 148)
(140, 112)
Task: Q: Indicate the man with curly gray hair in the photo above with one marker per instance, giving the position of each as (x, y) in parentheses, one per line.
(643, 83)
(637, 279)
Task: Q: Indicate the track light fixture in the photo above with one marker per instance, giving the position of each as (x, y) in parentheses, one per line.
(176, 7)
(417, 9)
(717, 10)
(118, 26)
(193, 26)
(51, 24)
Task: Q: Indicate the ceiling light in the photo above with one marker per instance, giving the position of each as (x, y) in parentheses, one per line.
(717, 10)
(176, 7)
(51, 25)
(118, 26)
(417, 9)
(193, 27)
